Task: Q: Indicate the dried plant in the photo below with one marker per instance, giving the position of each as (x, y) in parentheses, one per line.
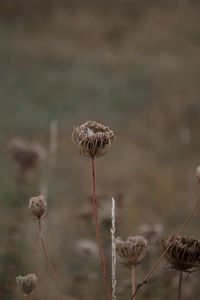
(27, 284)
(178, 233)
(27, 156)
(182, 254)
(114, 257)
(93, 140)
(131, 253)
(37, 206)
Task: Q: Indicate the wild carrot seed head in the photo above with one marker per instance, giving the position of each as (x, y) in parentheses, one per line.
(27, 283)
(132, 251)
(92, 139)
(183, 253)
(37, 206)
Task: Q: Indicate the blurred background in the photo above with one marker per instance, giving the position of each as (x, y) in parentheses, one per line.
(133, 65)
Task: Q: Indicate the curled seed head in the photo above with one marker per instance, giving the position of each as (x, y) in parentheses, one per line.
(92, 139)
(27, 283)
(183, 253)
(132, 251)
(37, 206)
(198, 174)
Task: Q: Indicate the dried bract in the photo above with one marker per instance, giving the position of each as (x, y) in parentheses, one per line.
(37, 206)
(27, 283)
(132, 251)
(183, 253)
(92, 139)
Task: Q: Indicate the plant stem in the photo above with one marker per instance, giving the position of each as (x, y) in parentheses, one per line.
(98, 238)
(49, 262)
(157, 263)
(133, 280)
(180, 285)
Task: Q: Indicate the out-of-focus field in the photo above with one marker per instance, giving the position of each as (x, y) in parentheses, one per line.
(135, 66)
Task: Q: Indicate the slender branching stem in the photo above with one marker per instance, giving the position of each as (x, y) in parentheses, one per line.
(48, 261)
(157, 263)
(180, 284)
(133, 280)
(98, 237)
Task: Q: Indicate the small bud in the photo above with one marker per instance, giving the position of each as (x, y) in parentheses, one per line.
(198, 174)
(37, 206)
(27, 283)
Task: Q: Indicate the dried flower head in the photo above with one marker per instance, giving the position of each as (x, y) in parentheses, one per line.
(183, 253)
(37, 206)
(132, 251)
(27, 283)
(198, 174)
(27, 156)
(92, 139)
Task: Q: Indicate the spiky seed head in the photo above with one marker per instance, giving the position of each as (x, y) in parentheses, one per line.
(132, 251)
(198, 174)
(37, 206)
(183, 253)
(27, 283)
(92, 139)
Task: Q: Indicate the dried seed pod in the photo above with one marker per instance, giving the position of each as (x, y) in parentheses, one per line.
(27, 156)
(37, 206)
(92, 139)
(27, 283)
(132, 251)
(183, 253)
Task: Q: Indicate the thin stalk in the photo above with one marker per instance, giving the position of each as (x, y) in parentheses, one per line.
(114, 259)
(98, 237)
(133, 280)
(49, 262)
(157, 263)
(180, 285)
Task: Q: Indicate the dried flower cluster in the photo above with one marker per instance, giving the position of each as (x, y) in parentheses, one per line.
(37, 206)
(27, 156)
(183, 253)
(27, 283)
(92, 139)
(132, 251)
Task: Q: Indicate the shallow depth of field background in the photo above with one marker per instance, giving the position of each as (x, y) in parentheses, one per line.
(135, 66)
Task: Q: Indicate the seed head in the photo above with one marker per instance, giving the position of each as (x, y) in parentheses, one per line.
(37, 206)
(92, 139)
(27, 283)
(183, 253)
(132, 251)
(27, 156)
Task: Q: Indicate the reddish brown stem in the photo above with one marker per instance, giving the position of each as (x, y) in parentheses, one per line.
(180, 285)
(98, 237)
(157, 263)
(49, 262)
